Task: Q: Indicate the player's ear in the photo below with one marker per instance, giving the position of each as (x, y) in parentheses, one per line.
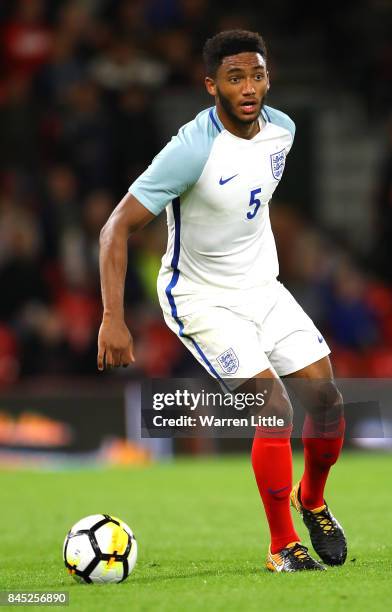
(268, 81)
(210, 86)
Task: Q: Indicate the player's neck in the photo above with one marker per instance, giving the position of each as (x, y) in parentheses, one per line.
(242, 130)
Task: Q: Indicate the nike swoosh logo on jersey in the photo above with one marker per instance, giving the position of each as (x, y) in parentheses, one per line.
(320, 339)
(224, 181)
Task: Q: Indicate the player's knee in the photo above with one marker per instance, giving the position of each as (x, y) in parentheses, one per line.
(278, 411)
(284, 412)
(276, 405)
(326, 417)
(331, 401)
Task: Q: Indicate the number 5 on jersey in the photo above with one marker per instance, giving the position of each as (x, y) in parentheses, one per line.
(254, 202)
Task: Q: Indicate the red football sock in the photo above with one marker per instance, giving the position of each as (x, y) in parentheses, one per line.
(272, 465)
(321, 451)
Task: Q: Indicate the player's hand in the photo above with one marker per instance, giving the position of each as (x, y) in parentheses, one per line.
(115, 344)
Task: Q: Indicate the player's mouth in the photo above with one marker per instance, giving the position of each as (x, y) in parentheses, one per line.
(249, 107)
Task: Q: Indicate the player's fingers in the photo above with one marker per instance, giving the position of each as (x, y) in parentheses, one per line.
(125, 358)
(109, 362)
(101, 357)
(130, 353)
(116, 358)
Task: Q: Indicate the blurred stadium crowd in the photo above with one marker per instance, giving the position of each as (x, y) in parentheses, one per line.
(79, 82)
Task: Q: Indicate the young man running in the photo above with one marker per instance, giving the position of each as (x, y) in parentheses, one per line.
(218, 285)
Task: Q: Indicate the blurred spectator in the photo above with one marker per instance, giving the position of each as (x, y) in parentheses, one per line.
(21, 276)
(176, 47)
(379, 299)
(351, 321)
(9, 357)
(123, 65)
(309, 269)
(61, 211)
(19, 129)
(26, 39)
(162, 14)
(135, 136)
(76, 24)
(197, 17)
(380, 92)
(383, 224)
(80, 245)
(43, 342)
(130, 21)
(62, 70)
(353, 311)
(86, 137)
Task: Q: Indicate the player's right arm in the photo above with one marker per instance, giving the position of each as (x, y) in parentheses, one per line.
(115, 343)
(171, 173)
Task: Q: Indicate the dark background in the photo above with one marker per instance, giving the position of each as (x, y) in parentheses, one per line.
(91, 90)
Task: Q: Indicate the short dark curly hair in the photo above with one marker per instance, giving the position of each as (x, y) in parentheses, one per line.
(230, 42)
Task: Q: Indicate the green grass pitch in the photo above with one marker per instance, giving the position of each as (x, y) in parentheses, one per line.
(202, 537)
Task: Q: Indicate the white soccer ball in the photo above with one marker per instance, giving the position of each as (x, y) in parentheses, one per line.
(100, 548)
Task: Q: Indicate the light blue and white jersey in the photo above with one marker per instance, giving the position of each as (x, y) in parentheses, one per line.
(216, 188)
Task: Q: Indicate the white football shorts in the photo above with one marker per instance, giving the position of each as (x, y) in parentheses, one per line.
(268, 331)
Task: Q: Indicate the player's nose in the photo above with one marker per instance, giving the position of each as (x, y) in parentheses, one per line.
(249, 88)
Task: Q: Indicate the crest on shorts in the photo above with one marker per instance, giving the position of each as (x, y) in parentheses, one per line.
(278, 161)
(229, 361)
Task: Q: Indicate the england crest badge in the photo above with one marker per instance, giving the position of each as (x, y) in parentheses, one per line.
(278, 161)
(229, 361)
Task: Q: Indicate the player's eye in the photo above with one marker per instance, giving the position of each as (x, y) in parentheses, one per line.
(259, 77)
(234, 79)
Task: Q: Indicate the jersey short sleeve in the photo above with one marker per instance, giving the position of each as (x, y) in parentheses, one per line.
(277, 117)
(178, 166)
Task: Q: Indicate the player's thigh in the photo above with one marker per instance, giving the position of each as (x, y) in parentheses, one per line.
(226, 344)
(297, 341)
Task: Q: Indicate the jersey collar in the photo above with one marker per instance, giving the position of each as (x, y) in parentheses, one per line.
(263, 120)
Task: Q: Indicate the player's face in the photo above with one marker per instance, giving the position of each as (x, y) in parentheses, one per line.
(240, 86)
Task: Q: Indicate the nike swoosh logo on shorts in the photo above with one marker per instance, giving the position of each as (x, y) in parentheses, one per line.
(223, 181)
(320, 339)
